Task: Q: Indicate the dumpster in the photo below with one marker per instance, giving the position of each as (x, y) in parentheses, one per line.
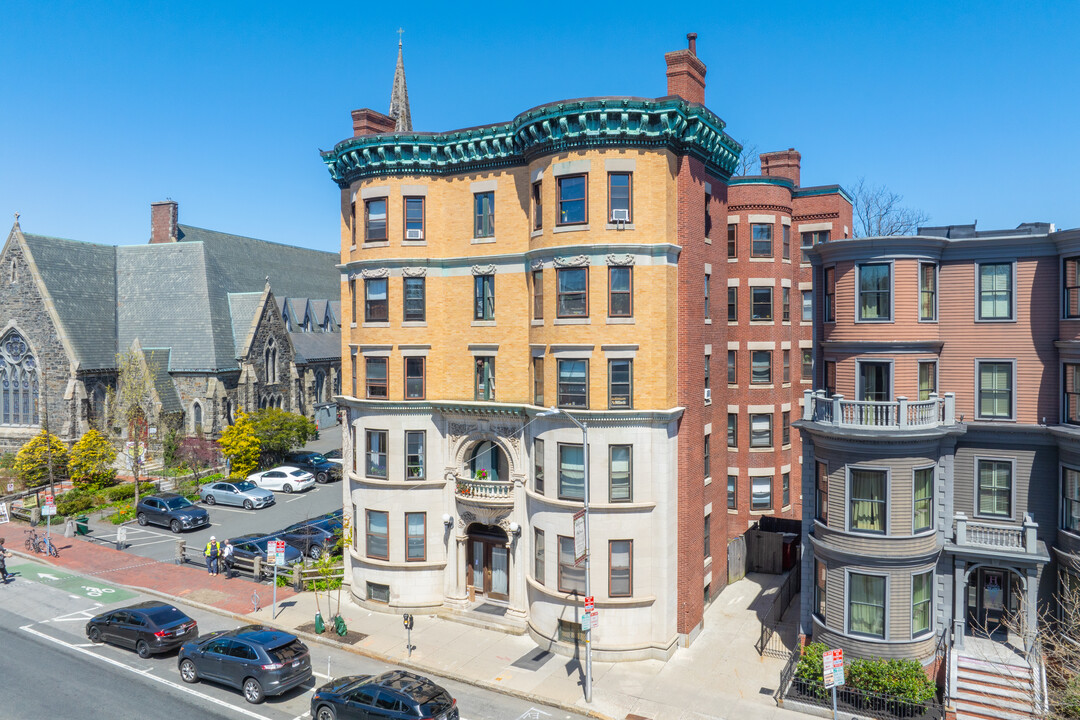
(82, 525)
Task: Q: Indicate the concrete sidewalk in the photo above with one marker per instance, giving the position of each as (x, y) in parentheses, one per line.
(719, 676)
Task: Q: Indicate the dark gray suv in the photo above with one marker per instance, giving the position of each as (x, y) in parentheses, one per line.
(258, 660)
(316, 464)
(173, 511)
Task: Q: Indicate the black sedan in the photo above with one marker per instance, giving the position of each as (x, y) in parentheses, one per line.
(249, 547)
(148, 628)
(315, 463)
(394, 695)
(255, 659)
(170, 510)
(315, 537)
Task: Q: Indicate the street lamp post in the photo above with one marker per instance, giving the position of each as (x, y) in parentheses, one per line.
(584, 426)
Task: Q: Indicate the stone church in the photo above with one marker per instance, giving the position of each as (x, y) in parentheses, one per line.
(223, 323)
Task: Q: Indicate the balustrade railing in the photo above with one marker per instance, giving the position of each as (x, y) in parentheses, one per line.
(999, 537)
(900, 414)
(485, 489)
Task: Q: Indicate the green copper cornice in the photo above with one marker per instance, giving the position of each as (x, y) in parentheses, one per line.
(670, 122)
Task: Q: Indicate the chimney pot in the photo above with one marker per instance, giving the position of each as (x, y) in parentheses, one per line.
(691, 39)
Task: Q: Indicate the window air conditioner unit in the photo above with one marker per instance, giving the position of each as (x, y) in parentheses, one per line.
(414, 234)
(620, 215)
(708, 393)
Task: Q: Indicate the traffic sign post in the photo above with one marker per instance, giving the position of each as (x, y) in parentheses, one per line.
(832, 671)
(275, 555)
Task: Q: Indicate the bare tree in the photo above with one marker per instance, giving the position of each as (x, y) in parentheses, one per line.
(878, 212)
(748, 160)
(134, 403)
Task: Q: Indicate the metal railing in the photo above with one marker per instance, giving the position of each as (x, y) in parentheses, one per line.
(485, 489)
(770, 640)
(893, 415)
(852, 701)
(941, 662)
(1013, 538)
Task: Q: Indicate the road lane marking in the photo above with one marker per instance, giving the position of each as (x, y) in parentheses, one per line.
(163, 681)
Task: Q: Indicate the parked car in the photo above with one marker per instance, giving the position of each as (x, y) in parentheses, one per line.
(284, 478)
(251, 546)
(255, 659)
(314, 537)
(394, 695)
(241, 493)
(315, 463)
(334, 456)
(149, 627)
(170, 510)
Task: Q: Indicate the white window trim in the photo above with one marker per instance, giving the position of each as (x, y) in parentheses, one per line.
(847, 499)
(975, 460)
(933, 500)
(911, 584)
(848, 572)
(1012, 291)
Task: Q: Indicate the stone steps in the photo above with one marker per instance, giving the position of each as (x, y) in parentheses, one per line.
(988, 690)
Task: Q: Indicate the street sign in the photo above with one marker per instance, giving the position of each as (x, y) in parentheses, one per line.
(590, 603)
(11, 487)
(579, 537)
(50, 506)
(590, 620)
(832, 668)
(3, 513)
(278, 550)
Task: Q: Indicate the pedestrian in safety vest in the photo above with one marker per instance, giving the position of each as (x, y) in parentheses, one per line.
(213, 552)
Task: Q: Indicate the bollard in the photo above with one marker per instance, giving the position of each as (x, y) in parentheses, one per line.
(256, 569)
(298, 578)
(180, 550)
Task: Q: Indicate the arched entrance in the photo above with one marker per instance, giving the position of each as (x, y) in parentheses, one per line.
(488, 561)
(994, 595)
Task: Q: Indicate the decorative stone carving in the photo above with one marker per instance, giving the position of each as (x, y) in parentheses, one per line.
(537, 264)
(414, 271)
(578, 261)
(483, 269)
(511, 434)
(371, 273)
(450, 476)
(626, 259)
(456, 430)
(485, 516)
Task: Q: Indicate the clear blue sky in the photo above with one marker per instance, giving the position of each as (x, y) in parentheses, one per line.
(969, 112)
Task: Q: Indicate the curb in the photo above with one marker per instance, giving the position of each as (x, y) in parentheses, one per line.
(320, 640)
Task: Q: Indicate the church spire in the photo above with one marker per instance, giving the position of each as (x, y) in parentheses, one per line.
(399, 96)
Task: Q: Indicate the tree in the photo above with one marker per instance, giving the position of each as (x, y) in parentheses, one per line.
(33, 461)
(240, 445)
(279, 431)
(877, 212)
(748, 160)
(91, 461)
(198, 453)
(135, 403)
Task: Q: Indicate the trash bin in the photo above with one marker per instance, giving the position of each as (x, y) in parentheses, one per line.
(82, 525)
(790, 550)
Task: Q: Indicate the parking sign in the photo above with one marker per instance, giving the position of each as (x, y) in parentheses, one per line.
(832, 668)
(279, 552)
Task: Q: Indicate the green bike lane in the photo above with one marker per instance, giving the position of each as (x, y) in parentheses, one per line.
(87, 587)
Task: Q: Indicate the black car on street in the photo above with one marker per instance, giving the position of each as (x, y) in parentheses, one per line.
(148, 628)
(170, 510)
(316, 536)
(394, 695)
(316, 464)
(258, 660)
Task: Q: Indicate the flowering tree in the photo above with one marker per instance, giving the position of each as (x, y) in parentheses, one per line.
(240, 445)
(91, 463)
(34, 458)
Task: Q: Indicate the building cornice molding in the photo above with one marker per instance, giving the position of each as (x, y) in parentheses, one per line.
(670, 123)
(595, 418)
(882, 346)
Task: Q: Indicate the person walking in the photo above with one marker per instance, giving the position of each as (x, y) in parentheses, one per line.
(4, 555)
(227, 559)
(213, 552)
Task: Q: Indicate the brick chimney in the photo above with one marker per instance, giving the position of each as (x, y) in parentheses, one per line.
(163, 217)
(370, 122)
(685, 73)
(784, 163)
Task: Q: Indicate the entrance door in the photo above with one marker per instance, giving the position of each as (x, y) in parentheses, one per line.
(489, 567)
(989, 599)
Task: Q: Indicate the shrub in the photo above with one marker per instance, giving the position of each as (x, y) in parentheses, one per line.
(73, 503)
(126, 491)
(91, 462)
(240, 445)
(123, 514)
(33, 459)
(904, 679)
(7, 461)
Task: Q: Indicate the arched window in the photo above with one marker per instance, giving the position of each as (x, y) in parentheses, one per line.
(18, 382)
(320, 385)
(487, 456)
(12, 270)
(270, 356)
(196, 416)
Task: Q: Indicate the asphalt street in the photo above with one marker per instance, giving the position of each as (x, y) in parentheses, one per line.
(50, 669)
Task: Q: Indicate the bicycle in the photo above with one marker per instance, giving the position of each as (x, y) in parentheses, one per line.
(31, 540)
(41, 544)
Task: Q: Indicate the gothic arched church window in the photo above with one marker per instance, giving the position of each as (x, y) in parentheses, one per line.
(18, 382)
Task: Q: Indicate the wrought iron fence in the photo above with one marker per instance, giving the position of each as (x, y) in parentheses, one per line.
(850, 700)
(771, 640)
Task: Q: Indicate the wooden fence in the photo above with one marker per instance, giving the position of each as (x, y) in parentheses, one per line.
(299, 574)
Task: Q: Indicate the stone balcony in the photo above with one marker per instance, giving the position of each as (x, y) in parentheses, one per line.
(971, 537)
(897, 415)
(485, 492)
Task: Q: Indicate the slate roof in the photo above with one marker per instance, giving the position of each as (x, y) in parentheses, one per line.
(242, 308)
(157, 361)
(317, 312)
(311, 346)
(81, 278)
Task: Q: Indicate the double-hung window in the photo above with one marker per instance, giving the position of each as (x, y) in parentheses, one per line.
(538, 294)
(705, 456)
(620, 473)
(866, 605)
(378, 535)
(732, 240)
(760, 367)
(785, 304)
(868, 504)
(810, 239)
(375, 220)
(807, 305)
(376, 454)
(807, 363)
(786, 364)
(821, 576)
(539, 572)
(733, 430)
(376, 304)
(620, 291)
(923, 499)
(538, 466)
(785, 233)
(573, 383)
(538, 380)
(571, 575)
(875, 292)
(1072, 393)
(573, 200)
(928, 292)
(732, 492)
(707, 536)
(760, 240)
(732, 304)
(821, 492)
(994, 479)
(484, 380)
(414, 290)
(414, 378)
(732, 367)
(785, 483)
(761, 492)
(927, 378)
(414, 218)
(484, 297)
(538, 205)
(760, 430)
(620, 564)
(571, 472)
(571, 292)
(785, 428)
(620, 384)
(1070, 499)
(706, 298)
(830, 295)
(761, 303)
(620, 197)
(921, 585)
(995, 291)
(415, 537)
(484, 215)
(995, 388)
(708, 215)
(376, 377)
(1071, 285)
(415, 442)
